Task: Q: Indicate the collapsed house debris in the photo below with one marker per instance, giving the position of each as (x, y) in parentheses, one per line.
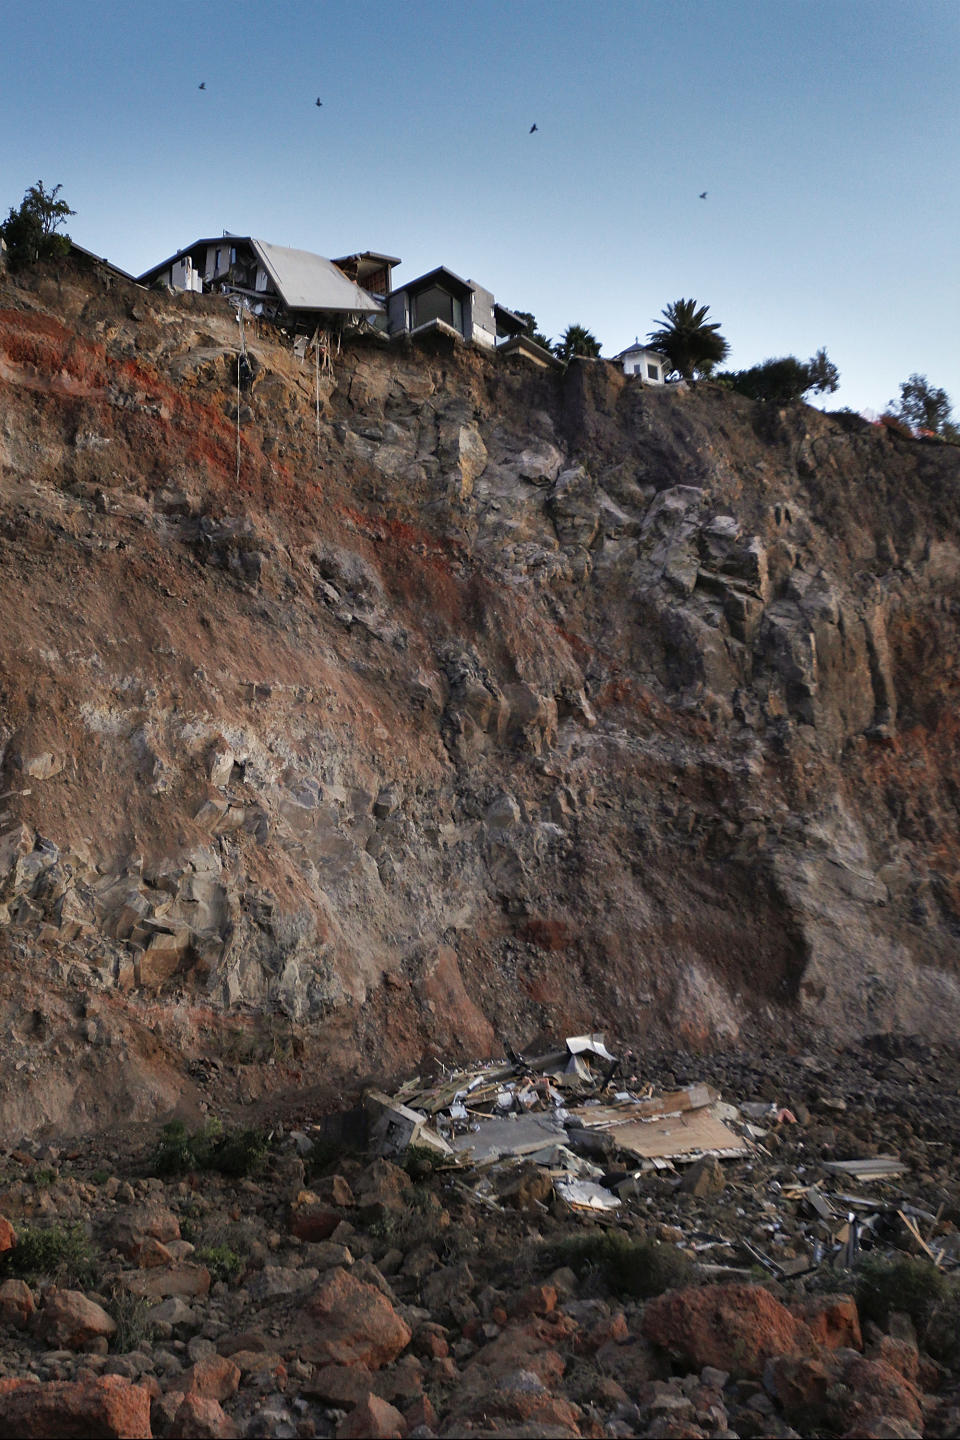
(596, 1141)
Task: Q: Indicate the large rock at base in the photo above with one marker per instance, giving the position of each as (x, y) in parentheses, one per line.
(372, 1419)
(199, 1417)
(353, 1323)
(105, 1408)
(8, 1236)
(833, 1320)
(70, 1321)
(731, 1327)
(843, 1393)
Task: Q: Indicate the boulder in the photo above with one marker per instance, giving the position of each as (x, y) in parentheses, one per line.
(833, 1320)
(8, 1236)
(199, 1417)
(353, 1323)
(372, 1419)
(731, 1327)
(69, 1321)
(16, 1304)
(108, 1406)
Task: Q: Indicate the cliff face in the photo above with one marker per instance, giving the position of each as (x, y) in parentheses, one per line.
(449, 703)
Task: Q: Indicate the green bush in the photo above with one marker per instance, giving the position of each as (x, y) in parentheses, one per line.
(637, 1268)
(898, 1283)
(58, 1252)
(222, 1262)
(231, 1152)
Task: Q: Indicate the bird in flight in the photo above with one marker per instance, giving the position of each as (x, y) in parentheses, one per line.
(319, 102)
(703, 194)
(202, 85)
(534, 127)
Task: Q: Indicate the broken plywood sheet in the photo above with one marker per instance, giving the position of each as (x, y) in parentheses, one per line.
(676, 1137)
(694, 1097)
(878, 1167)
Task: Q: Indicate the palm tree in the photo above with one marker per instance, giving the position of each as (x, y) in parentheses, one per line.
(576, 340)
(691, 345)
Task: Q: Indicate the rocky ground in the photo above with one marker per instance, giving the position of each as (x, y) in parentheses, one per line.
(329, 1291)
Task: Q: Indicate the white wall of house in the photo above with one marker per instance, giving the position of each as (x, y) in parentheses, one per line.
(648, 364)
(183, 276)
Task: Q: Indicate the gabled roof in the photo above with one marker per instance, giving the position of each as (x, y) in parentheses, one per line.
(303, 281)
(306, 281)
(637, 349)
(441, 276)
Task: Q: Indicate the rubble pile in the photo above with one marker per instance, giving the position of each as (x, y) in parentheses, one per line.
(435, 1262)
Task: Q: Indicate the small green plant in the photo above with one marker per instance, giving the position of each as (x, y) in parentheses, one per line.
(43, 1177)
(420, 1161)
(222, 1262)
(898, 1283)
(639, 1268)
(232, 1152)
(100, 1177)
(58, 1252)
(131, 1314)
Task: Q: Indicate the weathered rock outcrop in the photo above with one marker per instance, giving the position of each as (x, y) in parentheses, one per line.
(442, 700)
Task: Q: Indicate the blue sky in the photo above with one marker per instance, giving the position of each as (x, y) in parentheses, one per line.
(825, 134)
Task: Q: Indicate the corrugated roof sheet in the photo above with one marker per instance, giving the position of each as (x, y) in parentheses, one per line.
(306, 281)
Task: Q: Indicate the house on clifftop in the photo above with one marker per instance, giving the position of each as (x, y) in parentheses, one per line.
(294, 286)
(652, 366)
(441, 300)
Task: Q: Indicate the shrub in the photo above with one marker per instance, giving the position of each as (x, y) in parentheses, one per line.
(132, 1316)
(222, 1262)
(59, 1252)
(231, 1152)
(637, 1268)
(898, 1283)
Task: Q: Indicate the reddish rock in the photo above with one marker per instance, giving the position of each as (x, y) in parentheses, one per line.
(843, 1393)
(383, 1183)
(631, 1362)
(731, 1327)
(532, 1347)
(334, 1190)
(200, 1418)
(372, 1419)
(901, 1355)
(69, 1321)
(187, 1281)
(431, 1341)
(149, 1253)
(313, 1222)
(156, 1221)
(611, 1329)
(833, 1320)
(16, 1304)
(353, 1323)
(520, 1400)
(880, 1391)
(538, 1300)
(8, 1236)
(420, 1412)
(340, 1385)
(107, 1407)
(216, 1378)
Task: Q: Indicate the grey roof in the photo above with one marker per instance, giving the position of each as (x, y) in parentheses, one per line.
(306, 281)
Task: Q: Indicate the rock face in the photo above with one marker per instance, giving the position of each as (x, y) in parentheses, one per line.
(469, 700)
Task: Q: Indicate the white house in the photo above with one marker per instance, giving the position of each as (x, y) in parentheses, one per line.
(652, 366)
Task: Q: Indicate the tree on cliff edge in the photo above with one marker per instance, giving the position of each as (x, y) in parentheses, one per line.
(691, 343)
(30, 233)
(576, 340)
(923, 406)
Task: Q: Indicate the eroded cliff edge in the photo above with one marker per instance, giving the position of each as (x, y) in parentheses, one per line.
(481, 701)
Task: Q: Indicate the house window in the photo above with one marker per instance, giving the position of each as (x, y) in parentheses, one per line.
(653, 372)
(437, 304)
